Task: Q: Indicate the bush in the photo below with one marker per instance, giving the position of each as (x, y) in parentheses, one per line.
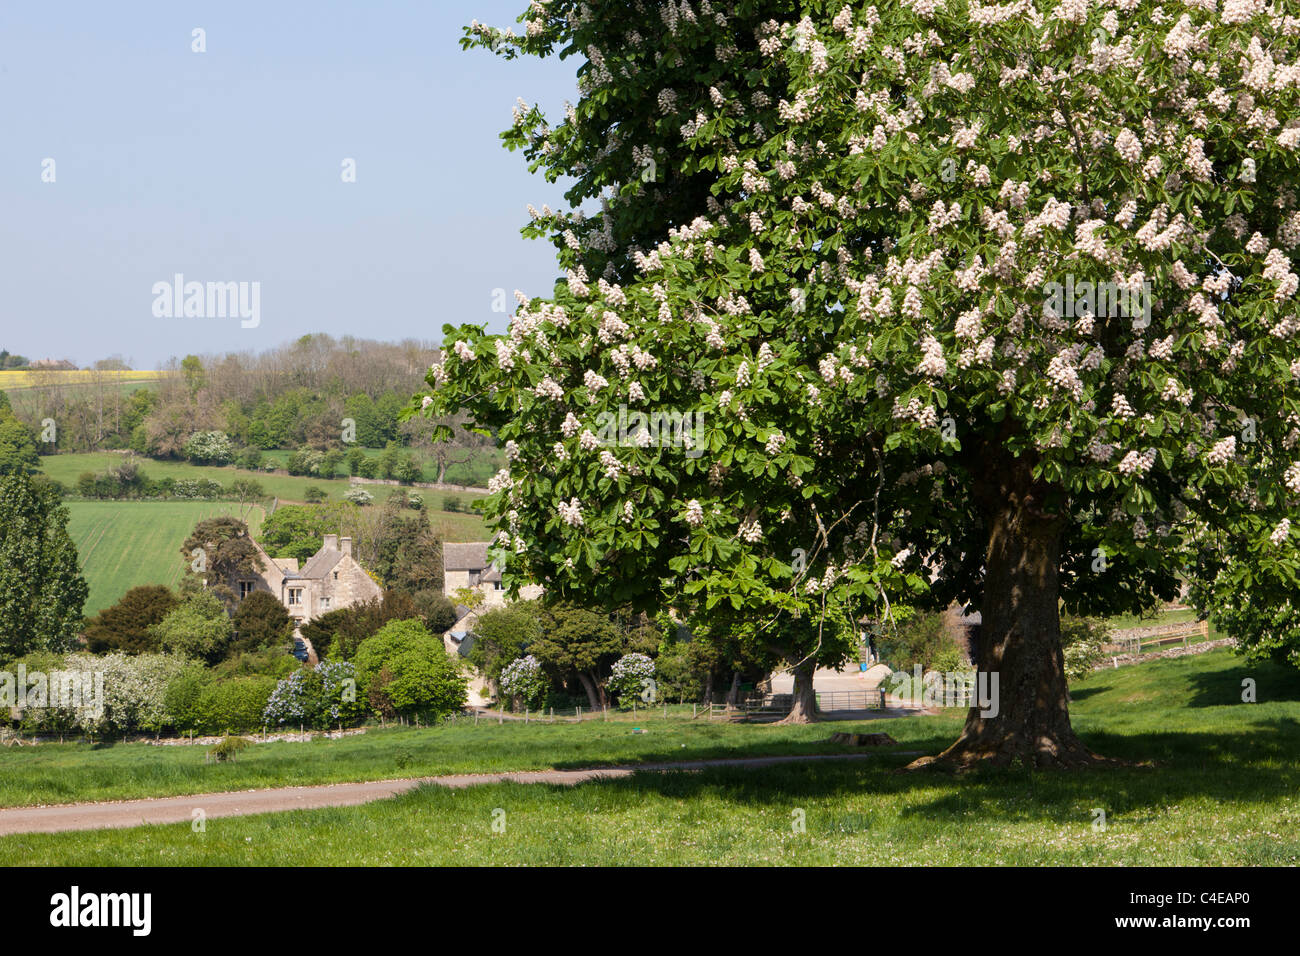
(438, 612)
(920, 639)
(125, 625)
(197, 489)
(261, 621)
(405, 670)
(315, 494)
(134, 691)
(250, 459)
(306, 461)
(267, 662)
(451, 503)
(209, 448)
(408, 470)
(229, 748)
(630, 676)
(182, 695)
(1082, 639)
(359, 496)
(356, 457)
(522, 681)
(197, 628)
(235, 704)
(319, 697)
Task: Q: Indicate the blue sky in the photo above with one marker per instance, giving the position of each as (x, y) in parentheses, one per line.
(225, 166)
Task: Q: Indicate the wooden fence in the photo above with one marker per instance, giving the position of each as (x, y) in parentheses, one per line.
(1134, 640)
(769, 707)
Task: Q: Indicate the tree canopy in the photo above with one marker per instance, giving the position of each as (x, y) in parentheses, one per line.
(125, 626)
(990, 304)
(42, 591)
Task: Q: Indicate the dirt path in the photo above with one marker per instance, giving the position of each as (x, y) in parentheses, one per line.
(134, 813)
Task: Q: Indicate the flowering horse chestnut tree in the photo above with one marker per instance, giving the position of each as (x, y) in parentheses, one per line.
(992, 304)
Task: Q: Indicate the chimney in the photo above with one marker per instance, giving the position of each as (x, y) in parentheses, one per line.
(331, 542)
(346, 546)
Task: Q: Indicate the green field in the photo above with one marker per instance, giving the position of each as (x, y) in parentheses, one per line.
(1212, 781)
(69, 467)
(123, 544)
(127, 543)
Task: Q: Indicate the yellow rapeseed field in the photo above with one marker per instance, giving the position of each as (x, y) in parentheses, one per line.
(13, 379)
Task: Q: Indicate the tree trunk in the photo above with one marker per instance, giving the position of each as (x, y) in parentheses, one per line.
(589, 686)
(733, 694)
(804, 710)
(1019, 644)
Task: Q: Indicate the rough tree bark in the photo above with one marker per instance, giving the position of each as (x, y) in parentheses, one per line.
(1020, 639)
(804, 710)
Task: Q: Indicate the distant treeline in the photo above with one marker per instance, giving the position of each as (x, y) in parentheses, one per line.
(319, 393)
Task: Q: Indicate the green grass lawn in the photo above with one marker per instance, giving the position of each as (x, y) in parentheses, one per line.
(123, 544)
(1221, 789)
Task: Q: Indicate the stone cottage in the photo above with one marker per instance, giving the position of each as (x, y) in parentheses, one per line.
(466, 565)
(330, 579)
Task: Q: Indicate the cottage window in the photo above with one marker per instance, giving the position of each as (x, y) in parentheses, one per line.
(245, 589)
(295, 595)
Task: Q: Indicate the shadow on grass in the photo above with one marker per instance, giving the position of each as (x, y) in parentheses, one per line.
(1083, 693)
(1272, 682)
(1260, 764)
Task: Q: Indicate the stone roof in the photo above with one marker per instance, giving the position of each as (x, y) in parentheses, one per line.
(318, 565)
(470, 556)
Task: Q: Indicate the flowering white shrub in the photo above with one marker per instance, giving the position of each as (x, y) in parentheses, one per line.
(522, 680)
(209, 448)
(134, 690)
(630, 676)
(319, 697)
